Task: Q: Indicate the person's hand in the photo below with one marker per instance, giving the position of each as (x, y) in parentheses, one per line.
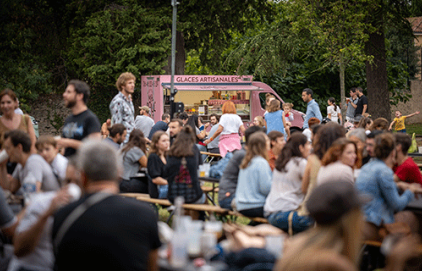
(207, 141)
(403, 186)
(417, 112)
(288, 124)
(415, 188)
(62, 198)
(206, 125)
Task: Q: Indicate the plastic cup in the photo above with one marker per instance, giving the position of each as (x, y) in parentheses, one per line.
(3, 156)
(194, 242)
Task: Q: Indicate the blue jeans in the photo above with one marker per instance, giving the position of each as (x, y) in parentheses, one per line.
(281, 220)
(227, 202)
(162, 191)
(204, 149)
(402, 131)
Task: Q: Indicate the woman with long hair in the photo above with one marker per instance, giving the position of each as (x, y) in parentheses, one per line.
(275, 119)
(254, 181)
(342, 156)
(324, 137)
(376, 179)
(134, 158)
(9, 120)
(181, 170)
(259, 121)
(365, 123)
(229, 127)
(334, 111)
(159, 146)
(286, 194)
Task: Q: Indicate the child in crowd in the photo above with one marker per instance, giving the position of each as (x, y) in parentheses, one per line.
(287, 107)
(399, 121)
(275, 118)
(259, 121)
(333, 111)
(47, 148)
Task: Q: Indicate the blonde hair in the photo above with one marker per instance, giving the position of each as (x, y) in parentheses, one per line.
(261, 121)
(257, 146)
(342, 236)
(287, 105)
(123, 78)
(274, 106)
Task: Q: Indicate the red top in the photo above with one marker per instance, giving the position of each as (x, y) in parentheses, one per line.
(271, 159)
(408, 172)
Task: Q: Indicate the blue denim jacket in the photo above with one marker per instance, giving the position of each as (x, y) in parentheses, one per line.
(312, 111)
(376, 180)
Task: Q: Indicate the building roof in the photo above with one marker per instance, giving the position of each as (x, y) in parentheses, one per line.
(416, 23)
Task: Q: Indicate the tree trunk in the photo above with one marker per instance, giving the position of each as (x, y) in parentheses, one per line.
(342, 89)
(376, 75)
(180, 56)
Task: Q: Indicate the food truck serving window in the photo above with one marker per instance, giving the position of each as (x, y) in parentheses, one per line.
(205, 99)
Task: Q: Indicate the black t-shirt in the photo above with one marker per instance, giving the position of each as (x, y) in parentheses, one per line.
(155, 168)
(160, 125)
(359, 109)
(80, 126)
(115, 234)
(172, 170)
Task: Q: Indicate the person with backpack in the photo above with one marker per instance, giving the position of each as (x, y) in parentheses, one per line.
(181, 170)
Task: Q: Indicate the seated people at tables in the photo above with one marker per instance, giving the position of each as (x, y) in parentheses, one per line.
(324, 137)
(254, 182)
(228, 182)
(113, 233)
(159, 146)
(286, 194)
(376, 180)
(275, 119)
(308, 131)
(181, 170)
(406, 169)
(48, 149)
(277, 143)
(199, 136)
(31, 168)
(229, 127)
(116, 136)
(134, 158)
(339, 162)
(161, 125)
(213, 145)
(335, 242)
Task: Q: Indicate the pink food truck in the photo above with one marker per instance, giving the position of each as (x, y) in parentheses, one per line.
(204, 95)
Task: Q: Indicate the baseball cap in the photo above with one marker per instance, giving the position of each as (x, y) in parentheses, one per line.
(146, 108)
(330, 201)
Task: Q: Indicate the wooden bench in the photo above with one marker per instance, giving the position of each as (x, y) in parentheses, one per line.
(210, 156)
(255, 219)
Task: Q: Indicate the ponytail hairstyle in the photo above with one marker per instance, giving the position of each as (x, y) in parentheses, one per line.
(333, 102)
(257, 146)
(290, 150)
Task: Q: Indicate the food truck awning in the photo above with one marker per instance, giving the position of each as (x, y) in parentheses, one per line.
(214, 87)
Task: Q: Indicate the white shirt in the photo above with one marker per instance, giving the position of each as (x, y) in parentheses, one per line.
(286, 192)
(334, 113)
(230, 123)
(336, 171)
(59, 166)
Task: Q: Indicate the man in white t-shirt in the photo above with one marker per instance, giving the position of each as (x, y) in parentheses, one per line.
(31, 169)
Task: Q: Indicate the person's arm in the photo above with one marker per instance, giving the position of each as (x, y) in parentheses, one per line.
(365, 106)
(391, 125)
(68, 143)
(390, 193)
(286, 127)
(143, 161)
(152, 260)
(26, 241)
(31, 133)
(354, 105)
(242, 129)
(8, 182)
(411, 115)
(159, 181)
(217, 133)
(306, 177)
(201, 135)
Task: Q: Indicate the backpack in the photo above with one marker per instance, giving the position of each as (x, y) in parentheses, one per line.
(182, 185)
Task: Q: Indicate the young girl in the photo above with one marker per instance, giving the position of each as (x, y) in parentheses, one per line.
(134, 158)
(287, 107)
(275, 119)
(254, 181)
(333, 111)
(160, 143)
(259, 121)
(286, 194)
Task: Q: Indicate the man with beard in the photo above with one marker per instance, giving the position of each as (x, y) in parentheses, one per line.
(82, 122)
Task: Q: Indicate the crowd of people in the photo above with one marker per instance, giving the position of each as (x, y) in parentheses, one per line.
(352, 181)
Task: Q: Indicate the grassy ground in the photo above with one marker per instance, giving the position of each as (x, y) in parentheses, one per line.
(414, 128)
